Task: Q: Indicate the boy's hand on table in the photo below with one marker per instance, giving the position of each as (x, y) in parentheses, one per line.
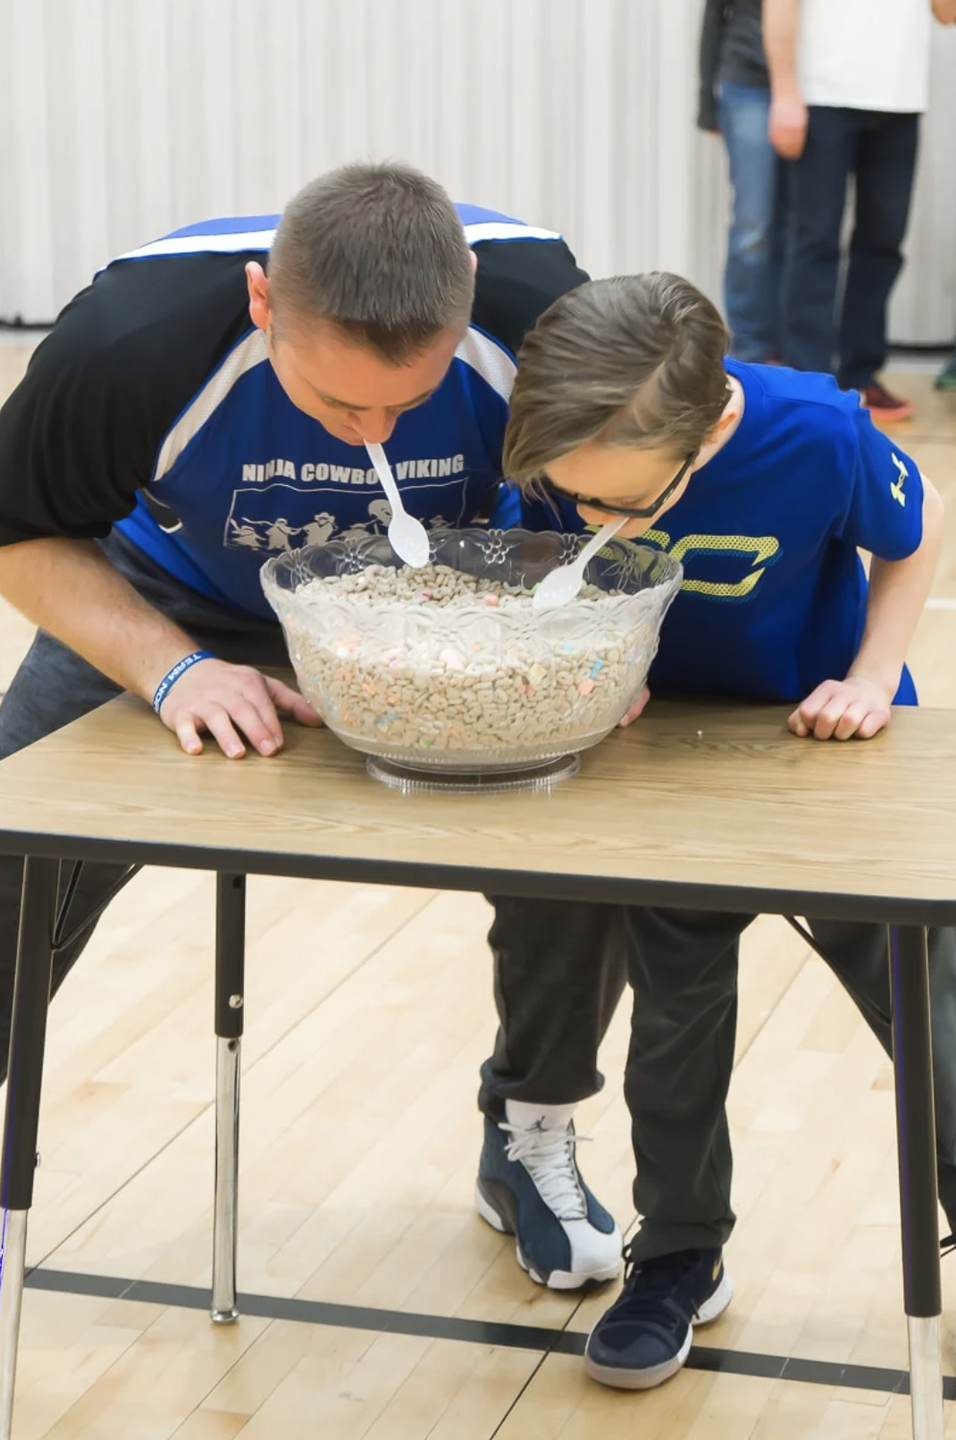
(843, 710)
(232, 702)
(637, 708)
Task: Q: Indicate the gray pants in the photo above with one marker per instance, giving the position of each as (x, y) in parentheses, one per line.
(682, 966)
(552, 1019)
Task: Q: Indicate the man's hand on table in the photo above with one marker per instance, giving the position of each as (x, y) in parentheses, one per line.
(843, 710)
(231, 702)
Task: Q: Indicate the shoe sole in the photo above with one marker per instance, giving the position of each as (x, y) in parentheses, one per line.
(886, 419)
(656, 1374)
(555, 1279)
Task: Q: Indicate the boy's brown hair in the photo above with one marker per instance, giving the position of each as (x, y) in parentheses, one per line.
(633, 361)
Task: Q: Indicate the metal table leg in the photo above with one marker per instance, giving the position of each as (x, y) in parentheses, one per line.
(916, 1133)
(27, 1040)
(230, 999)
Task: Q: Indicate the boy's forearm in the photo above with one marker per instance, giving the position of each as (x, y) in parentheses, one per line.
(898, 594)
(780, 29)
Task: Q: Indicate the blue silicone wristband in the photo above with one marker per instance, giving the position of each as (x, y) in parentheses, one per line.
(177, 672)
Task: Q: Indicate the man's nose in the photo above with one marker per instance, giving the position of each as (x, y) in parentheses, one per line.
(374, 426)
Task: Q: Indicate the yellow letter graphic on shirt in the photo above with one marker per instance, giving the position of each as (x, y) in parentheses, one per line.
(761, 547)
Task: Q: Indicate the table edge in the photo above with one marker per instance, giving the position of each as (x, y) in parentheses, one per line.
(530, 884)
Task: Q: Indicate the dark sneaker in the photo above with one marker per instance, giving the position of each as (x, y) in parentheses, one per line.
(646, 1336)
(946, 379)
(529, 1186)
(885, 408)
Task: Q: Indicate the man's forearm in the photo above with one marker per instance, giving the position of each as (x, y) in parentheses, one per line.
(781, 23)
(70, 589)
(898, 594)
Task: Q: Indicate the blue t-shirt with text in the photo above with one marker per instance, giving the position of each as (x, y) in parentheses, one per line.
(773, 600)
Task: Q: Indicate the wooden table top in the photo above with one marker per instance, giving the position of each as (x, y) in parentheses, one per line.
(710, 805)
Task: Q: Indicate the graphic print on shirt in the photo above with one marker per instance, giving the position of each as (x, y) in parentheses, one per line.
(256, 520)
(747, 556)
(896, 486)
(273, 513)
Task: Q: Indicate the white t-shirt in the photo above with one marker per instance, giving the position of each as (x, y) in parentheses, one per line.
(866, 54)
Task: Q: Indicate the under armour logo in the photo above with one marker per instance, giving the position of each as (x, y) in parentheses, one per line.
(896, 486)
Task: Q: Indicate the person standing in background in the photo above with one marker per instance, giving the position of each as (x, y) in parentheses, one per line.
(735, 101)
(848, 84)
(946, 379)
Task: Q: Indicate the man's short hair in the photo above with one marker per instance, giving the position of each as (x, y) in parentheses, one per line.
(378, 251)
(633, 361)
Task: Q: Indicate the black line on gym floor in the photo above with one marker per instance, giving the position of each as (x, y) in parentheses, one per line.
(472, 1332)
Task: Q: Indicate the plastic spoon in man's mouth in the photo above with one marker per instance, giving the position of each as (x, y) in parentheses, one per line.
(407, 536)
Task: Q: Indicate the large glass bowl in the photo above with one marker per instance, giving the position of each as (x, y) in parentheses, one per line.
(472, 688)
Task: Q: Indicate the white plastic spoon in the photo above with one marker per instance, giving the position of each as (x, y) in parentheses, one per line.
(560, 587)
(407, 536)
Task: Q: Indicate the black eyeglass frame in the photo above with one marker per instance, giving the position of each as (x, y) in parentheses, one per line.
(643, 512)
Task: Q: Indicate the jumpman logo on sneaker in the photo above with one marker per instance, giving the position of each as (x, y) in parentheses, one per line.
(530, 1186)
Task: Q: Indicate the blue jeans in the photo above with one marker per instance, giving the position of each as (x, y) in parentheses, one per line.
(879, 151)
(755, 251)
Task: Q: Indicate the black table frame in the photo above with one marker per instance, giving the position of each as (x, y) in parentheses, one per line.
(44, 912)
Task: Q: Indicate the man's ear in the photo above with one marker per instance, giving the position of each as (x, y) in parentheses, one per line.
(260, 308)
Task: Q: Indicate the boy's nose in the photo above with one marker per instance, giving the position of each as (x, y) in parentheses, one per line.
(628, 531)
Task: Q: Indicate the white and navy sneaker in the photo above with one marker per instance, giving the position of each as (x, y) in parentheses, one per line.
(646, 1336)
(530, 1186)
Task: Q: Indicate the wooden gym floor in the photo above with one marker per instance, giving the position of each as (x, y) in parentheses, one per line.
(369, 1012)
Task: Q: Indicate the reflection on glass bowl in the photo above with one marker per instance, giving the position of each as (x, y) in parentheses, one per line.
(402, 666)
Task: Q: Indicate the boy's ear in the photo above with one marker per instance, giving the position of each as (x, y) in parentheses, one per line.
(727, 419)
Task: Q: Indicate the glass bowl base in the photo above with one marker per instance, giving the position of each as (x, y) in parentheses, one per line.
(409, 779)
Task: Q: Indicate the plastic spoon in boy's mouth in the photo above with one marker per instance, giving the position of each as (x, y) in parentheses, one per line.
(560, 587)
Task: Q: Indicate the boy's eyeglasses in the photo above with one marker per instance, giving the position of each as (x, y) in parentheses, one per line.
(636, 512)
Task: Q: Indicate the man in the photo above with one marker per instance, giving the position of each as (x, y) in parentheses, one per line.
(848, 85)
(204, 403)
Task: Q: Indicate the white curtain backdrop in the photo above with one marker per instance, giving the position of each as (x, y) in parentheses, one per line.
(121, 119)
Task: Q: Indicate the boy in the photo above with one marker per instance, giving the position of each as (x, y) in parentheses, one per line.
(763, 482)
